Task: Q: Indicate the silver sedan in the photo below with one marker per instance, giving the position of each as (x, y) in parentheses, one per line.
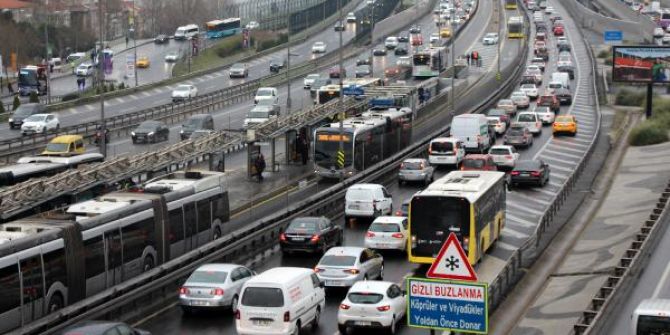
(416, 169)
(344, 266)
(212, 286)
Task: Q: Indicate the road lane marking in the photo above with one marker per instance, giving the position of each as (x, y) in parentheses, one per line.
(524, 208)
(520, 221)
(554, 152)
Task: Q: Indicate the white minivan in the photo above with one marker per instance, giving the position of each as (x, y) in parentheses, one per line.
(186, 32)
(267, 93)
(445, 151)
(367, 201)
(561, 77)
(281, 300)
(473, 131)
(531, 121)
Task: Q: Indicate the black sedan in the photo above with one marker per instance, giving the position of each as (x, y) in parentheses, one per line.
(381, 51)
(534, 172)
(310, 234)
(103, 328)
(415, 30)
(403, 37)
(150, 132)
(277, 64)
(161, 39)
(401, 50)
(563, 95)
(364, 61)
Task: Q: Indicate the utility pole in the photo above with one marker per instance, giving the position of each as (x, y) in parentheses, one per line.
(453, 63)
(372, 28)
(288, 58)
(500, 9)
(135, 44)
(46, 46)
(101, 82)
(341, 98)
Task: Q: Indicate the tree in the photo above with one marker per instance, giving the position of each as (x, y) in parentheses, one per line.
(16, 103)
(33, 97)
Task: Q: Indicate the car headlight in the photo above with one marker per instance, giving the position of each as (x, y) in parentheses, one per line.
(11, 120)
(132, 133)
(150, 134)
(181, 131)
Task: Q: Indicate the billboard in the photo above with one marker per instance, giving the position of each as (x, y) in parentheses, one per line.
(641, 64)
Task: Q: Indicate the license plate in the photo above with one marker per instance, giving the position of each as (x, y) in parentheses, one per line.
(354, 207)
(261, 323)
(199, 303)
(299, 239)
(333, 283)
(525, 174)
(363, 323)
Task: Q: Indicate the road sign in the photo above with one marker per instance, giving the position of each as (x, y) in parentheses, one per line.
(447, 305)
(340, 158)
(451, 262)
(613, 36)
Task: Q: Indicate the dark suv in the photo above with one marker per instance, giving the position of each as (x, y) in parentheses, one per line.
(277, 65)
(310, 234)
(24, 111)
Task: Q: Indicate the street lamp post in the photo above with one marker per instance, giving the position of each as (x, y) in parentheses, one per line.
(46, 46)
(341, 98)
(453, 63)
(135, 44)
(288, 58)
(101, 75)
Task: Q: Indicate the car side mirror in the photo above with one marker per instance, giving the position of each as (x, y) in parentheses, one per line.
(322, 285)
(404, 292)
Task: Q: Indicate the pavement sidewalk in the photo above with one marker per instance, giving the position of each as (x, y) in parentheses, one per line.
(638, 183)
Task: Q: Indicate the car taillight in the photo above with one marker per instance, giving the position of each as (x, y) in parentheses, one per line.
(515, 173)
(383, 308)
(344, 306)
(315, 238)
(555, 124)
(318, 270)
(287, 316)
(217, 291)
(508, 156)
(183, 290)
(430, 151)
(370, 234)
(397, 235)
(398, 213)
(466, 243)
(282, 237)
(238, 315)
(352, 271)
(535, 173)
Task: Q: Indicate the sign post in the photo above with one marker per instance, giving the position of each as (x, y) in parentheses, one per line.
(451, 299)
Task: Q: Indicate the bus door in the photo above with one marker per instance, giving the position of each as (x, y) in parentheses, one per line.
(190, 227)
(31, 288)
(114, 254)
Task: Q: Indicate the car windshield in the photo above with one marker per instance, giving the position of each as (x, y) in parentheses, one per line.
(301, 226)
(441, 146)
(563, 119)
(365, 298)
(337, 260)
(264, 93)
(499, 151)
(148, 126)
(182, 88)
(541, 110)
(527, 166)
(380, 227)
(201, 276)
(35, 118)
(528, 86)
(526, 118)
(473, 163)
(192, 123)
(258, 115)
(237, 67)
(57, 147)
(263, 297)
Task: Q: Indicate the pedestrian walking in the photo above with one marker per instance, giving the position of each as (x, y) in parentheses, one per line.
(78, 84)
(304, 149)
(259, 164)
(467, 57)
(83, 83)
(9, 87)
(126, 41)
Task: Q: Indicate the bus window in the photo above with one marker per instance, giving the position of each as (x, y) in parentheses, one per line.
(10, 289)
(204, 215)
(54, 267)
(326, 147)
(94, 251)
(31, 272)
(176, 232)
(431, 227)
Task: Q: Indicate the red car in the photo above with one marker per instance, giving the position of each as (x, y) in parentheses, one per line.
(417, 39)
(551, 101)
(478, 162)
(559, 31)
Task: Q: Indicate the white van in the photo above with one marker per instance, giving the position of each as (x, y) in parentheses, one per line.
(554, 85)
(368, 201)
(531, 121)
(561, 77)
(267, 93)
(186, 32)
(446, 151)
(472, 130)
(281, 300)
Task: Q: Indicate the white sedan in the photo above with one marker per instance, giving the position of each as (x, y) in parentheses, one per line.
(498, 125)
(545, 114)
(172, 57)
(184, 92)
(39, 123)
(520, 99)
(549, 10)
(490, 39)
(372, 303)
(504, 155)
(318, 48)
(530, 90)
(387, 232)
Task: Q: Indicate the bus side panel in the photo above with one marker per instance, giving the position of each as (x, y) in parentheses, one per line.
(161, 229)
(10, 296)
(75, 256)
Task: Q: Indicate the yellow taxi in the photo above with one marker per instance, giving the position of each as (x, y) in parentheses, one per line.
(65, 145)
(143, 62)
(445, 32)
(565, 124)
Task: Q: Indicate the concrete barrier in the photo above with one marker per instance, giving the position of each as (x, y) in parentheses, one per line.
(396, 22)
(639, 30)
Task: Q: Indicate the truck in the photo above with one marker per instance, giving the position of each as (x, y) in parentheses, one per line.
(561, 77)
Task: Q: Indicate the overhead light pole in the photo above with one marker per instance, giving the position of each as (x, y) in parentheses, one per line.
(101, 83)
(288, 57)
(46, 46)
(341, 97)
(453, 57)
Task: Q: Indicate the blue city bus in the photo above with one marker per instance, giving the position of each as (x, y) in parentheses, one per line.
(223, 28)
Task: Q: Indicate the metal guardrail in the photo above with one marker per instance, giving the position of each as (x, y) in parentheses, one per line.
(141, 292)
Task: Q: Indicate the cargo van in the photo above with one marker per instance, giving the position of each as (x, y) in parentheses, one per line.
(367, 201)
(281, 300)
(445, 151)
(186, 32)
(561, 77)
(473, 131)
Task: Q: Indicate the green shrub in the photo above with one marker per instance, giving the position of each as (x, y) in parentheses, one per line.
(122, 86)
(626, 97)
(647, 133)
(604, 54)
(33, 98)
(16, 103)
(2, 108)
(70, 97)
(229, 46)
(267, 44)
(112, 87)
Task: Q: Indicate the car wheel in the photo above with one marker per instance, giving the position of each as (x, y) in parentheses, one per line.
(393, 327)
(381, 273)
(343, 329)
(57, 126)
(399, 182)
(55, 303)
(296, 331)
(233, 304)
(148, 264)
(317, 317)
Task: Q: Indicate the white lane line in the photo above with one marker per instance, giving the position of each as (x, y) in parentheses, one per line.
(513, 233)
(146, 94)
(562, 153)
(505, 246)
(119, 100)
(547, 192)
(531, 199)
(72, 110)
(558, 147)
(157, 90)
(520, 221)
(133, 96)
(89, 107)
(570, 143)
(523, 208)
(553, 183)
(558, 174)
(559, 168)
